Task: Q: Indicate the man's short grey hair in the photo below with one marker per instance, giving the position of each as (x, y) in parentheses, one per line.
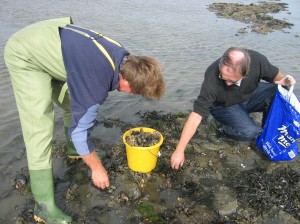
(241, 66)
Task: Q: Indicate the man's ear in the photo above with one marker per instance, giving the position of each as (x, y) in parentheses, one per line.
(122, 81)
(121, 77)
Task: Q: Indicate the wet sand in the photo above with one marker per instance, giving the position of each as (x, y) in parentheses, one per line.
(222, 181)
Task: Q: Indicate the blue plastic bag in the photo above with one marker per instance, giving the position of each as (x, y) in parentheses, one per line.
(282, 128)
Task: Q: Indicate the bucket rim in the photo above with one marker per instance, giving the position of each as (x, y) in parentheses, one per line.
(143, 147)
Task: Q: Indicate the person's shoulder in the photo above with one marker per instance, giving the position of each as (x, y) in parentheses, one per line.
(214, 65)
(212, 72)
(254, 53)
(256, 56)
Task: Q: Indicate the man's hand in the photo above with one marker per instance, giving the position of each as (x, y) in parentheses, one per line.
(190, 127)
(99, 174)
(100, 178)
(177, 159)
(287, 81)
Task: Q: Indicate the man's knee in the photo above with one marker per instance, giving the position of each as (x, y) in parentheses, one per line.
(246, 134)
(250, 133)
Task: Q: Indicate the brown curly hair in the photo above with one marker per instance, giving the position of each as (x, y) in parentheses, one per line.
(144, 75)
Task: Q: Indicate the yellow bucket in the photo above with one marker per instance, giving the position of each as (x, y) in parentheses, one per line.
(142, 159)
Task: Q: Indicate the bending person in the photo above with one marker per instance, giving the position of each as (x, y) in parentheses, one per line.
(54, 60)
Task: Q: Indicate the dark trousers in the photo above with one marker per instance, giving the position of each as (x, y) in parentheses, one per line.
(235, 120)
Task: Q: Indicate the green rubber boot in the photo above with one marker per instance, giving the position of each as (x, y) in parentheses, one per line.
(45, 209)
(70, 147)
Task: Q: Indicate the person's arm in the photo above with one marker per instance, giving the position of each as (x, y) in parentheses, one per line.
(99, 173)
(283, 80)
(84, 147)
(190, 127)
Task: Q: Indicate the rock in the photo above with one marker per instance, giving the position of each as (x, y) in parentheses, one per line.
(225, 201)
(254, 14)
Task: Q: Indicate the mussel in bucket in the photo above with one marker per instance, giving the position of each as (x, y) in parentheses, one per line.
(141, 138)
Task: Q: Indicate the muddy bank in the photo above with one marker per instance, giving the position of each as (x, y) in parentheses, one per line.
(222, 181)
(256, 15)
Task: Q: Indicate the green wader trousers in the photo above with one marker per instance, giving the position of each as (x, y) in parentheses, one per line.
(34, 59)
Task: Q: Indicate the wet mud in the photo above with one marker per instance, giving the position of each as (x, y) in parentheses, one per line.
(257, 15)
(222, 181)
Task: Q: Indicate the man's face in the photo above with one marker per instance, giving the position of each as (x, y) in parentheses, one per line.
(229, 77)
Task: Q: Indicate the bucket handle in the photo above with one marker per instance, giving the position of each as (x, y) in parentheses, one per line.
(159, 153)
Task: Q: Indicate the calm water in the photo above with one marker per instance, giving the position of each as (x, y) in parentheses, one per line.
(183, 35)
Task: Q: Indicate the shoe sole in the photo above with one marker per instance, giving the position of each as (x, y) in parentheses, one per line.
(74, 157)
(40, 220)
